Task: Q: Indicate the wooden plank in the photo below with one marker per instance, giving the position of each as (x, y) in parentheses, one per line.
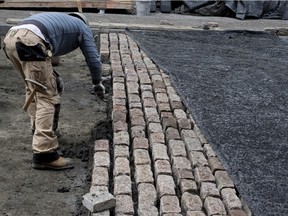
(52, 5)
(100, 4)
(120, 4)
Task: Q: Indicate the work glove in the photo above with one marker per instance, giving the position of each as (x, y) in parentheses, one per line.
(99, 90)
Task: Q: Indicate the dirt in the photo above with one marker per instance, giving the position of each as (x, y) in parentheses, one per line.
(83, 119)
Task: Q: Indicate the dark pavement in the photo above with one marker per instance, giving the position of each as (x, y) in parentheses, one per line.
(234, 84)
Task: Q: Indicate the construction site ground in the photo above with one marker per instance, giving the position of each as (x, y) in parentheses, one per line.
(141, 144)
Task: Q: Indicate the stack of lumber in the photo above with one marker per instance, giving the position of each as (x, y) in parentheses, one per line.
(97, 4)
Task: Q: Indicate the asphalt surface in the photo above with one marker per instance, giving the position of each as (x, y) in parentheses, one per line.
(234, 85)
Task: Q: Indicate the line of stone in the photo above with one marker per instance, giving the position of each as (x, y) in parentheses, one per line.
(213, 183)
(162, 134)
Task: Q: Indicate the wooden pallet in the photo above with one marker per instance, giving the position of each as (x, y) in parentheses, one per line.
(98, 4)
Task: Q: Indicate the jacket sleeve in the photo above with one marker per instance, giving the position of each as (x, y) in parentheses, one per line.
(92, 57)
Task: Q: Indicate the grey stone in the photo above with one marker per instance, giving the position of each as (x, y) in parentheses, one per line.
(97, 202)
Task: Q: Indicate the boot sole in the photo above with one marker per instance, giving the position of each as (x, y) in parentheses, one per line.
(48, 167)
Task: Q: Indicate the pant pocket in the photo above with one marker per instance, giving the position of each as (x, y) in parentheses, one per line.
(37, 72)
(30, 53)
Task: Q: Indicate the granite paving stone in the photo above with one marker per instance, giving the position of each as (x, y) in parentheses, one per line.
(165, 185)
(169, 204)
(122, 185)
(124, 204)
(143, 174)
(162, 167)
(208, 189)
(140, 143)
(172, 134)
(230, 199)
(177, 148)
(101, 145)
(188, 185)
(203, 174)
(214, 206)
(191, 202)
(223, 180)
(197, 158)
(147, 194)
(159, 152)
(121, 166)
(121, 151)
(141, 157)
(215, 164)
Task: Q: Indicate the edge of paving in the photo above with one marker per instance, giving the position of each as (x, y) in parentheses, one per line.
(160, 163)
(110, 26)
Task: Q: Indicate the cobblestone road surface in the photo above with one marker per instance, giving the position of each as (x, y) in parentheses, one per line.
(160, 163)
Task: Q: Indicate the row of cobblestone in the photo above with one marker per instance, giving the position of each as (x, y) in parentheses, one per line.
(161, 163)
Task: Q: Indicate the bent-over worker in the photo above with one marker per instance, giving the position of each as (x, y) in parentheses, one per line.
(30, 47)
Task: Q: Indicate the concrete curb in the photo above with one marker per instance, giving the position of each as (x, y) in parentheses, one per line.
(104, 26)
(161, 163)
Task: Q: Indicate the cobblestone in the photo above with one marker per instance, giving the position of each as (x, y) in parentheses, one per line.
(177, 148)
(168, 120)
(143, 174)
(102, 159)
(121, 137)
(208, 189)
(191, 202)
(159, 152)
(121, 166)
(165, 185)
(215, 164)
(121, 151)
(188, 185)
(182, 173)
(172, 134)
(223, 180)
(214, 206)
(162, 167)
(203, 174)
(101, 145)
(197, 159)
(169, 204)
(141, 157)
(140, 143)
(147, 195)
(124, 205)
(122, 185)
(230, 199)
(100, 176)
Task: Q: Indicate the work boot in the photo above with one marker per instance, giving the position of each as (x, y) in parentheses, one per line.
(60, 164)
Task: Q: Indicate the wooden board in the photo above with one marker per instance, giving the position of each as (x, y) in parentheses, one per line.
(98, 4)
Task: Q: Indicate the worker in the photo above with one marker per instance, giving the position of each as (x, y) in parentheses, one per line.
(30, 46)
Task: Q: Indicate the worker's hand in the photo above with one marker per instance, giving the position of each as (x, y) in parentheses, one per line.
(99, 90)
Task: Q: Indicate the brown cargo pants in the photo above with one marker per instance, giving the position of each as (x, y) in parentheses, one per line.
(42, 108)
